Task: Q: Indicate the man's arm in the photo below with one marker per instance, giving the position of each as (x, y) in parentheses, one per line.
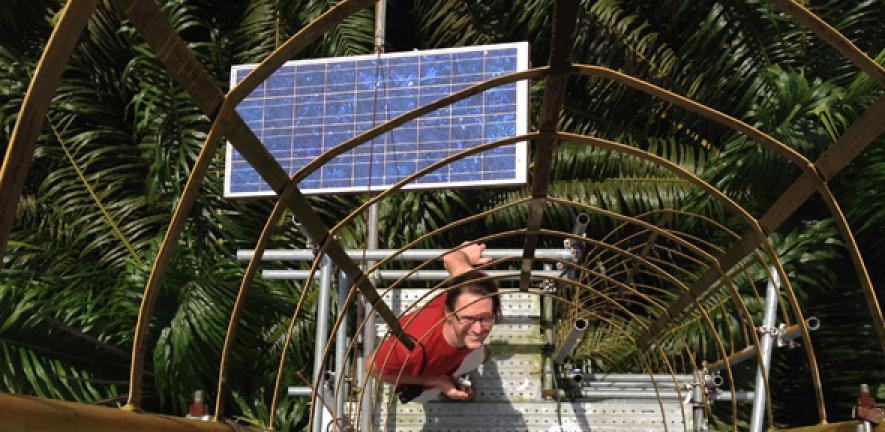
(466, 257)
(443, 382)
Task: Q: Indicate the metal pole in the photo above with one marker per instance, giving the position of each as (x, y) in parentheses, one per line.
(341, 346)
(322, 331)
(668, 394)
(419, 275)
(374, 254)
(578, 379)
(547, 314)
(299, 391)
(768, 334)
(785, 336)
(367, 407)
(697, 400)
(577, 331)
(638, 377)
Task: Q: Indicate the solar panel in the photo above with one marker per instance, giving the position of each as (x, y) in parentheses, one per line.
(309, 106)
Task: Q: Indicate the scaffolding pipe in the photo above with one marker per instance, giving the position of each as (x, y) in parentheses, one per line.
(547, 313)
(418, 275)
(299, 391)
(341, 345)
(579, 380)
(742, 395)
(406, 255)
(788, 334)
(367, 401)
(597, 394)
(321, 333)
(697, 403)
(581, 222)
(577, 331)
(766, 340)
(659, 378)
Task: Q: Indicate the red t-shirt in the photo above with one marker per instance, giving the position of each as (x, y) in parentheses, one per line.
(427, 328)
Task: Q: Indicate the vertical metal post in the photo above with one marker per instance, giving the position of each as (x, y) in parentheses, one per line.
(341, 346)
(322, 331)
(697, 399)
(367, 407)
(766, 340)
(547, 323)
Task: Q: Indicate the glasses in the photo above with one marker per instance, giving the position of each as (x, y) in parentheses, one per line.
(485, 321)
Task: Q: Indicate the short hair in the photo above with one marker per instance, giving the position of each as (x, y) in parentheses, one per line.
(474, 282)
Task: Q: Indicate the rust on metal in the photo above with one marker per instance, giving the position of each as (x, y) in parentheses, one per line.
(565, 13)
(31, 414)
(42, 88)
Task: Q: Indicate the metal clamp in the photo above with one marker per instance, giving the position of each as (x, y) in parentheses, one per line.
(766, 330)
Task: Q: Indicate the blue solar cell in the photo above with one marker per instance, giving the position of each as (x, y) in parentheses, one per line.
(505, 61)
(308, 107)
(251, 115)
(467, 68)
(466, 131)
(468, 55)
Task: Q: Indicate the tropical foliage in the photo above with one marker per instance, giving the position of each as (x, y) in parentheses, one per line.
(121, 137)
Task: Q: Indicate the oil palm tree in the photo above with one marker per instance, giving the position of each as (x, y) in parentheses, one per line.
(121, 137)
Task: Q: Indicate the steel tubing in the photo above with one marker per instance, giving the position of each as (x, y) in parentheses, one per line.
(597, 394)
(299, 391)
(406, 255)
(577, 331)
(341, 340)
(659, 378)
(792, 332)
(766, 342)
(419, 275)
(321, 330)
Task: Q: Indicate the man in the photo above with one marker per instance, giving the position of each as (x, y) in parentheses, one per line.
(449, 332)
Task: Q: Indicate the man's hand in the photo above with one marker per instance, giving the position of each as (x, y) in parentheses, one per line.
(473, 253)
(464, 258)
(447, 386)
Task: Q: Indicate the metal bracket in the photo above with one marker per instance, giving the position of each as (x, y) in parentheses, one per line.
(548, 286)
(771, 331)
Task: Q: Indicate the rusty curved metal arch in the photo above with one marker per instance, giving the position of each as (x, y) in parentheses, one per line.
(834, 38)
(182, 210)
(61, 44)
(696, 107)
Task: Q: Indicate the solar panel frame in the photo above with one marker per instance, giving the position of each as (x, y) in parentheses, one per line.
(289, 109)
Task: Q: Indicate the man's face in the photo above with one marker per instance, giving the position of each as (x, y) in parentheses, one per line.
(472, 319)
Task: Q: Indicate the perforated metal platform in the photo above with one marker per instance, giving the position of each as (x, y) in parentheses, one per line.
(520, 326)
(513, 304)
(505, 377)
(509, 389)
(533, 417)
